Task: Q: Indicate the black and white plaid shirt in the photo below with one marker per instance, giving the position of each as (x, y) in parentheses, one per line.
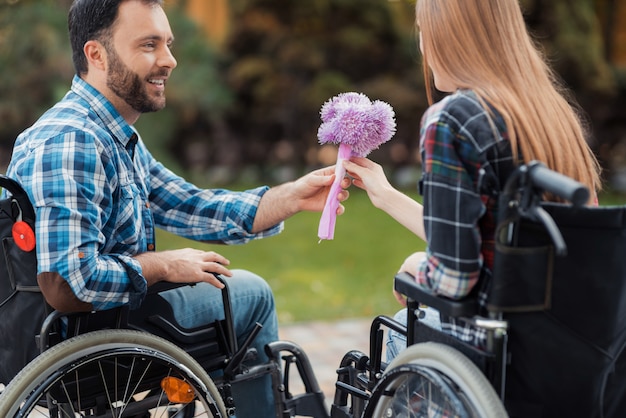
(466, 159)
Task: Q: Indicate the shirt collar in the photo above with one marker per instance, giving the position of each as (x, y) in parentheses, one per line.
(113, 121)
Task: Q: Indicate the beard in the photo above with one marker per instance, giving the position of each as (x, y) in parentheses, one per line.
(130, 87)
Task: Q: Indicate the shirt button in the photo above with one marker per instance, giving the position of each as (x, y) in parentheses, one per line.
(148, 205)
(150, 247)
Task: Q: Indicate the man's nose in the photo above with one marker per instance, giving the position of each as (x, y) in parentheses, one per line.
(166, 59)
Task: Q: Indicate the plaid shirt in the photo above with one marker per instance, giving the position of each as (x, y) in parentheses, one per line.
(99, 194)
(466, 159)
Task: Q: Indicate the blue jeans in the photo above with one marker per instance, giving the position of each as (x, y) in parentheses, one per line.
(252, 301)
(396, 342)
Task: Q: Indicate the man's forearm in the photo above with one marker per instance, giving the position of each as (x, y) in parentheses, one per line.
(276, 205)
(153, 266)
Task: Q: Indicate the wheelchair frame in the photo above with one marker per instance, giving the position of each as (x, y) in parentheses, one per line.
(109, 335)
(441, 378)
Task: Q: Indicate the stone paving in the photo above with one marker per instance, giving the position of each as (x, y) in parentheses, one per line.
(325, 343)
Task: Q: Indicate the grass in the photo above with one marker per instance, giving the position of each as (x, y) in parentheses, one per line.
(348, 277)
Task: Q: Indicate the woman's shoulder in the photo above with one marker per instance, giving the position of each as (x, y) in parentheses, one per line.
(463, 101)
(457, 108)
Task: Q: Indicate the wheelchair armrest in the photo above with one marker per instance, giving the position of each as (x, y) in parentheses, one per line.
(159, 287)
(466, 307)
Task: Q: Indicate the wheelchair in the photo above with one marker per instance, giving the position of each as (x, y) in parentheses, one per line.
(554, 317)
(555, 320)
(123, 363)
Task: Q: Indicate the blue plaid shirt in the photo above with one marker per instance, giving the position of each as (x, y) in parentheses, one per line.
(99, 194)
(466, 159)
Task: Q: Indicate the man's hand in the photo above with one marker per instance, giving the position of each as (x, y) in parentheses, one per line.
(308, 193)
(312, 190)
(187, 265)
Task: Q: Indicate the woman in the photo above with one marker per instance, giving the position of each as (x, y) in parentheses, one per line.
(504, 107)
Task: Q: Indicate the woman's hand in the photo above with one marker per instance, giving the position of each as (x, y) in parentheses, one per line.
(369, 176)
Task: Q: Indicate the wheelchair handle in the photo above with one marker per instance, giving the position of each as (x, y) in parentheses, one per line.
(18, 194)
(525, 187)
(557, 184)
(12, 186)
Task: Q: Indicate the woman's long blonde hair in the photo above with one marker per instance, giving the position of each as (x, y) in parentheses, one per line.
(483, 45)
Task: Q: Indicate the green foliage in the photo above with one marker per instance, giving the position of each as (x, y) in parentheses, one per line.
(288, 57)
(197, 83)
(35, 64)
(571, 34)
(197, 96)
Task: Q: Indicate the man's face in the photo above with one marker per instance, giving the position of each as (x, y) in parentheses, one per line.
(130, 87)
(139, 56)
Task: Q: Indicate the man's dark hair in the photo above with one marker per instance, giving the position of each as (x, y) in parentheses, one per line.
(92, 20)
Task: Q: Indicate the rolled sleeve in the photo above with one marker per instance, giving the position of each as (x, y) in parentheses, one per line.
(209, 215)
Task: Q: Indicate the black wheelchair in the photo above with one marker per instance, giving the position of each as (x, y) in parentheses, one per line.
(554, 316)
(123, 363)
(555, 319)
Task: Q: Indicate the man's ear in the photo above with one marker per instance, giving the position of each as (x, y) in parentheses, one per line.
(96, 55)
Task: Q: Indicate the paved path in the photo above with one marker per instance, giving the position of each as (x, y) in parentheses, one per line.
(325, 343)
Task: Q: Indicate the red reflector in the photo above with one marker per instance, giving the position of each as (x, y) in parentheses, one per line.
(24, 236)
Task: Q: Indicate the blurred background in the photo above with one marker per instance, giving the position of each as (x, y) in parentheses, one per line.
(243, 108)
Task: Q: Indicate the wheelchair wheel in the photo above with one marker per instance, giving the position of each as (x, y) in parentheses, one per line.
(112, 373)
(433, 380)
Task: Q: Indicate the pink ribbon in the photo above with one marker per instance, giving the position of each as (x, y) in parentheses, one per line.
(326, 229)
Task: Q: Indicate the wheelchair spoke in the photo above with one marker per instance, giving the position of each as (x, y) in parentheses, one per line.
(128, 397)
(106, 390)
(161, 393)
(62, 410)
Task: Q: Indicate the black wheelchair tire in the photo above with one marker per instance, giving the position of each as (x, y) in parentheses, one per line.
(29, 387)
(472, 389)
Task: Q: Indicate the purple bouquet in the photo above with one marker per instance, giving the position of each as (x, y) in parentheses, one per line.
(358, 126)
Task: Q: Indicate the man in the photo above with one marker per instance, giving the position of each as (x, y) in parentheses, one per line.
(98, 193)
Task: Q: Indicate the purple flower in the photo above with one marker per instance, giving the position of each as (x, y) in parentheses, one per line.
(353, 119)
